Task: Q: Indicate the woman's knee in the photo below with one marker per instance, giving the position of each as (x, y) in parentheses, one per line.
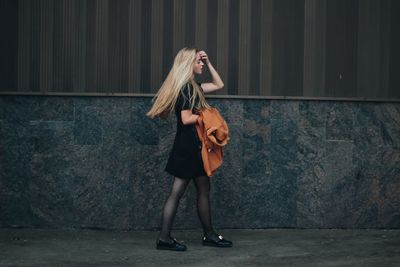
(177, 193)
(178, 188)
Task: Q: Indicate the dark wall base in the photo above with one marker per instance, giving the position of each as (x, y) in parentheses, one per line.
(99, 162)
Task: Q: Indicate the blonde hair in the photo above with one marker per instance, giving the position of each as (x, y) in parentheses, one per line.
(180, 74)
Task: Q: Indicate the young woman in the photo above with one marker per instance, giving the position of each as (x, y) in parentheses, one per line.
(181, 94)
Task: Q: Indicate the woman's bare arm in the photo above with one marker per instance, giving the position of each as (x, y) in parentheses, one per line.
(188, 117)
(217, 82)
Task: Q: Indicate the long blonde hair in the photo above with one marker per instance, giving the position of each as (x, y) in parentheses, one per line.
(180, 74)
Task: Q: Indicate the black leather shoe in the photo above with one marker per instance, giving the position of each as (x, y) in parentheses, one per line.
(174, 245)
(219, 242)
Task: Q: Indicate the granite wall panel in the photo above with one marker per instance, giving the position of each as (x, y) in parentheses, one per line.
(98, 162)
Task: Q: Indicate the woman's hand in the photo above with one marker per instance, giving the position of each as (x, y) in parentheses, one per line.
(204, 57)
(197, 111)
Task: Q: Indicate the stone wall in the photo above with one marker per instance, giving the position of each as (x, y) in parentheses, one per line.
(98, 162)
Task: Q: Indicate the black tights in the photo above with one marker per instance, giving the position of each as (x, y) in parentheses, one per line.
(203, 206)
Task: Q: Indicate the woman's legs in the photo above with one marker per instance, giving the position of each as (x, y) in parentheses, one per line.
(171, 206)
(203, 205)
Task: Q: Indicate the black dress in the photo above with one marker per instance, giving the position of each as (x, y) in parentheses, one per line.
(185, 157)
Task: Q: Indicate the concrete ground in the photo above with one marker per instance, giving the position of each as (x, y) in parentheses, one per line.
(269, 247)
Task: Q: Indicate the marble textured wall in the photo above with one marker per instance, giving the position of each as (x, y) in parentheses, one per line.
(98, 162)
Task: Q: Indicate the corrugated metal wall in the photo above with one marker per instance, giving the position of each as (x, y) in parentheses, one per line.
(316, 48)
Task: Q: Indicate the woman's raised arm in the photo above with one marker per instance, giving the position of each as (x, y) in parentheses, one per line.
(217, 82)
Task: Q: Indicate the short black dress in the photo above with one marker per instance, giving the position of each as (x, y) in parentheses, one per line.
(185, 157)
